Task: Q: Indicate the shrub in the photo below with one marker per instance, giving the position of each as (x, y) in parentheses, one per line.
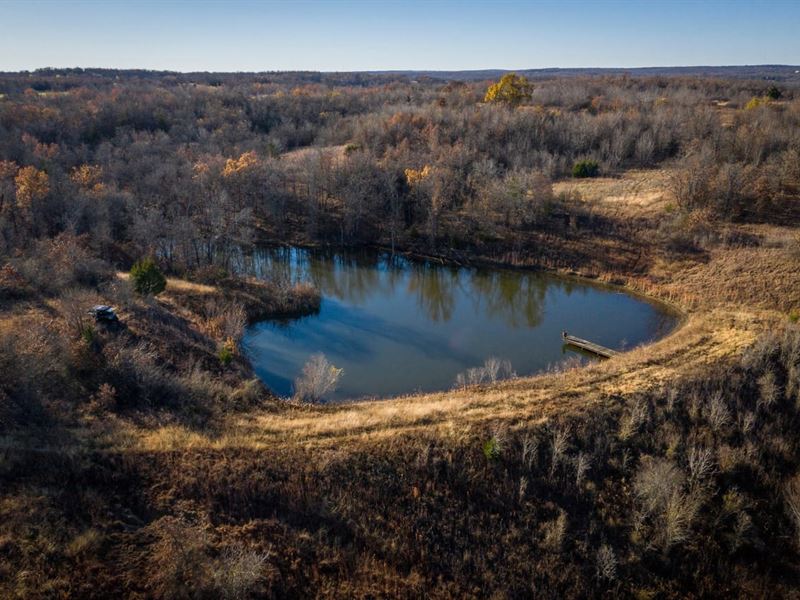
(473, 376)
(491, 448)
(105, 398)
(75, 304)
(656, 483)
(85, 543)
(769, 392)
(238, 572)
(138, 376)
(658, 487)
(492, 371)
(773, 93)
(634, 419)
(88, 335)
(701, 464)
(497, 369)
(178, 565)
(12, 284)
(585, 168)
(554, 532)
(225, 320)
(756, 101)
(583, 464)
(147, 278)
(226, 352)
(791, 496)
(606, 563)
(318, 378)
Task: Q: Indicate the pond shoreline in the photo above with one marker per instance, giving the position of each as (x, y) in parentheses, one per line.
(612, 279)
(368, 266)
(617, 282)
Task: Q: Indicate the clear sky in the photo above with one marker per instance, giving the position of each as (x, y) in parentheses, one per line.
(330, 35)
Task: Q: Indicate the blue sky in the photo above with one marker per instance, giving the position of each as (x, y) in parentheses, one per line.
(378, 35)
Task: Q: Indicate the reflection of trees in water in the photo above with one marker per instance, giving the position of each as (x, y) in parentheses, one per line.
(515, 298)
(435, 289)
(283, 264)
(352, 276)
(347, 277)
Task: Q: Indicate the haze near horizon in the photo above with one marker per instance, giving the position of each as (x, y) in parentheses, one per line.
(362, 36)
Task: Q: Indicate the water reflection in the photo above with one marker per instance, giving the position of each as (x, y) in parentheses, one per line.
(396, 325)
(513, 296)
(434, 288)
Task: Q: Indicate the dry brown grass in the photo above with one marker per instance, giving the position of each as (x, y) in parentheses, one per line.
(637, 193)
(702, 340)
(176, 285)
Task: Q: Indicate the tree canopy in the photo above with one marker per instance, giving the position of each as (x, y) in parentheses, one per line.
(512, 89)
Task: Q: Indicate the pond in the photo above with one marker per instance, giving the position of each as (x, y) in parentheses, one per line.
(397, 326)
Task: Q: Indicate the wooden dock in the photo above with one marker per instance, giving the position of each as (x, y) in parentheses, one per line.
(597, 349)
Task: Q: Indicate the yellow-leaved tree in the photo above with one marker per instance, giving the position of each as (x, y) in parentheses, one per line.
(415, 176)
(512, 89)
(235, 166)
(32, 184)
(88, 177)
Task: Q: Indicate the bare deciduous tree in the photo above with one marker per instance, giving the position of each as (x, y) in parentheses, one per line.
(606, 563)
(319, 377)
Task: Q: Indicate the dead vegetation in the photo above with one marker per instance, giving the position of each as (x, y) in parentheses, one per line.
(602, 513)
(621, 477)
(147, 462)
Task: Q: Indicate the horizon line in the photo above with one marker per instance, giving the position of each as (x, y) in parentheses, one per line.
(406, 70)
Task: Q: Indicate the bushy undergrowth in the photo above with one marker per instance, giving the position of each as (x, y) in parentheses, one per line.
(687, 490)
(65, 261)
(59, 363)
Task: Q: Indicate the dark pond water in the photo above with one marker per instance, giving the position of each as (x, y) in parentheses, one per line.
(397, 326)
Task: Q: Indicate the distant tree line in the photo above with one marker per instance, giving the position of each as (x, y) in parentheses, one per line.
(189, 169)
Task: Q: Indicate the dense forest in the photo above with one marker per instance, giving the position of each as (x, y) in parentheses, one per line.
(192, 172)
(145, 459)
